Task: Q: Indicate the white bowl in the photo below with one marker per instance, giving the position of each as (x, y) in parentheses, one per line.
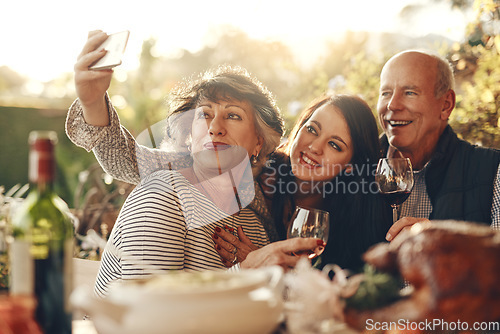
(249, 301)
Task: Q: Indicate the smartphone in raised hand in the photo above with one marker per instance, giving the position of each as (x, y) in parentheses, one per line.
(115, 46)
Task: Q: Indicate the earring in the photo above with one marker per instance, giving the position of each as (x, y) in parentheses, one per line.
(254, 160)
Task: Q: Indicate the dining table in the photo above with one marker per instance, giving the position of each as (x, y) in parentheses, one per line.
(293, 321)
(87, 327)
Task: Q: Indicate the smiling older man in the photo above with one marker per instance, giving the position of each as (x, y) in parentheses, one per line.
(453, 178)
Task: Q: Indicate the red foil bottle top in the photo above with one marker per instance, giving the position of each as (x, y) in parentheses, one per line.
(41, 158)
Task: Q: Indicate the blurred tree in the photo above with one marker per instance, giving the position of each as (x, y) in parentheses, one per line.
(141, 95)
(477, 63)
(10, 80)
(476, 117)
(137, 94)
(340, 52)
(363, 77)
(270, 61)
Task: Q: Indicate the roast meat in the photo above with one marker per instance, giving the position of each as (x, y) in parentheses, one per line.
(453, 268)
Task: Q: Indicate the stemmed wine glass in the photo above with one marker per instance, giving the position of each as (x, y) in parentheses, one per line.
(394, 177)
(309, 223)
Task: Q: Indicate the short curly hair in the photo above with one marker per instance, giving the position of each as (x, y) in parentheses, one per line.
(227, 82)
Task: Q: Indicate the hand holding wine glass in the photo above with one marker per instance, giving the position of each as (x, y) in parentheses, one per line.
(394, 177)
(309, 223)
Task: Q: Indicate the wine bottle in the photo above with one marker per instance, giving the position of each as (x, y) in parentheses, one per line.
(42, 250)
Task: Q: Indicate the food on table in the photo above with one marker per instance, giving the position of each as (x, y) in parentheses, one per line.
(453, 268)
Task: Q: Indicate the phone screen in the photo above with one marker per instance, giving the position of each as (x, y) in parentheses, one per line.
(115, 46)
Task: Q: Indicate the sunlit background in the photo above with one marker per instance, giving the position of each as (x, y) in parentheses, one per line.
(299, 49)
(41, 39)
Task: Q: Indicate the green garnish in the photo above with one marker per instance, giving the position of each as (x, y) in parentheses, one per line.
(375, 290)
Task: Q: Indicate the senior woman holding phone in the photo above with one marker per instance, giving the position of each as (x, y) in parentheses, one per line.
(348, 145)
(168, 221)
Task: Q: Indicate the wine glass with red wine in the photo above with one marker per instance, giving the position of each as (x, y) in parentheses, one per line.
(394, 177)
(309, 223)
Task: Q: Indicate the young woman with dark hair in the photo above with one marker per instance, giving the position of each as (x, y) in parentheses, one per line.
(327, 163)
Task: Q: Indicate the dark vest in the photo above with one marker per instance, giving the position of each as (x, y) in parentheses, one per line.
(460, 179)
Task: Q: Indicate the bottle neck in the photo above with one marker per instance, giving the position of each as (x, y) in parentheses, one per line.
(42, 187)
(42, 165)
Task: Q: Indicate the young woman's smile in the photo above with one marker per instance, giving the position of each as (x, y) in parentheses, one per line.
(322, 147)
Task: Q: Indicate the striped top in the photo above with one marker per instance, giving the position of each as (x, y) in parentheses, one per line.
(123, 158)
(167, 224)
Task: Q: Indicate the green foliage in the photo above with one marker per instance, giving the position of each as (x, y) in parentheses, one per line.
(477, 115)
(16, 126)
(362, 77)
(376, 289)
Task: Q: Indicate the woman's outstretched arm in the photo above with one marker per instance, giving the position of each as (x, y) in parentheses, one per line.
(92, 123)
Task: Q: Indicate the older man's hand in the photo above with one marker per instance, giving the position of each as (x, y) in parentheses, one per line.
(403, 224)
